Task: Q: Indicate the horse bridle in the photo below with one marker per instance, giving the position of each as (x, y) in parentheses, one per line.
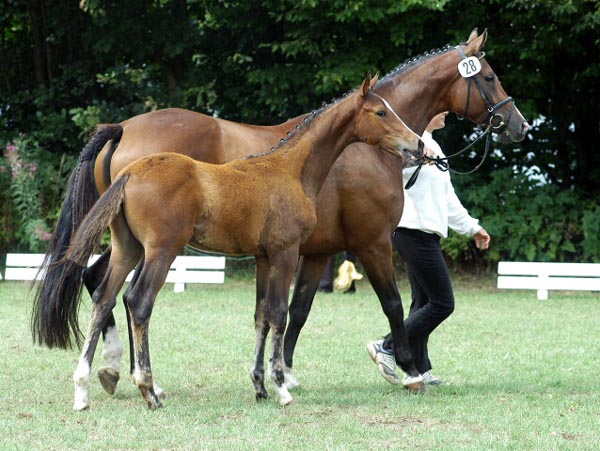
(442, 162)
(492, 114)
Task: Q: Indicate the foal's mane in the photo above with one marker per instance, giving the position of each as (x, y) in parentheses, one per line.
(294, 135)
(310, 117)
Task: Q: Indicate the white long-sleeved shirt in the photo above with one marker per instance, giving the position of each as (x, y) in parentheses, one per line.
(431, 205)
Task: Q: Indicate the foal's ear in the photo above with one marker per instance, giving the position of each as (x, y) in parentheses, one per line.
(369, 83)
(476, 42)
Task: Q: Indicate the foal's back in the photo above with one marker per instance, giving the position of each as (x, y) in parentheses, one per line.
(236, 208)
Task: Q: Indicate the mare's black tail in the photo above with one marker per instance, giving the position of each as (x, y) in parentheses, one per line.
(56, 301)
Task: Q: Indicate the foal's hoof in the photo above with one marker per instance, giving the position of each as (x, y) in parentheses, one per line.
(260, 396)
(80, 406)
(108, 378)
(151, 399)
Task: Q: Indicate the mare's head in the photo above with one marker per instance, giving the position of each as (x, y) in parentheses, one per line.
(479, 94)
(378, 125)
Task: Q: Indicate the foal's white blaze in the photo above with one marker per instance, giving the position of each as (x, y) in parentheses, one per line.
(113, 349)
(81, 378)
(389, 107)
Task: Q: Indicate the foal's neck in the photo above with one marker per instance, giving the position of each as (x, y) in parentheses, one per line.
(311, 155)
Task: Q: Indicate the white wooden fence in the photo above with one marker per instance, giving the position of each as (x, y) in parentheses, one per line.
(185, 269)
(549, 276)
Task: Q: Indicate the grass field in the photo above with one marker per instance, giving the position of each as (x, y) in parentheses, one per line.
(524, 376)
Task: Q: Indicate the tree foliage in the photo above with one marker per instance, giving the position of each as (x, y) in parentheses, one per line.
(66, 66)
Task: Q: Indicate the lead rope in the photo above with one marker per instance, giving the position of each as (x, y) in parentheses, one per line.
(442, 162)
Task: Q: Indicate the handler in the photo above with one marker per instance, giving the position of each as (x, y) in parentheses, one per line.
(430, 207)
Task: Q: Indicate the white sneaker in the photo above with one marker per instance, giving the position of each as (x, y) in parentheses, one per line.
(431, 379)
(385, 361)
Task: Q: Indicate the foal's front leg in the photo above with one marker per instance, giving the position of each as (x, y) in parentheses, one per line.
(281, 270)
(261, 325)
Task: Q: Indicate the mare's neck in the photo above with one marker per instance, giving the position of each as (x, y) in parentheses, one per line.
(311, 155)
(421, 91)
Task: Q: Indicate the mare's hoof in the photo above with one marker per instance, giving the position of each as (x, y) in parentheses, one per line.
(285, 400)
(291, 381)
(108, 378)
(159, 392)
(417, 387)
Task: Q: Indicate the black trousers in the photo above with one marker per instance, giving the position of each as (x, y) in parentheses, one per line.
(432, 295)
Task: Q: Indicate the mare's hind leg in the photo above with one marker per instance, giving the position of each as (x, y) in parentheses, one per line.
(103, 301)
(140, 302)
(378, 264)
(310, 271)
(261, 326)
(112, 349)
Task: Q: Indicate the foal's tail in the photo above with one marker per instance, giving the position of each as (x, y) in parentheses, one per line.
(56, 299)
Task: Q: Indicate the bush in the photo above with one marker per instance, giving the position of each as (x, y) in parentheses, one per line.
(529, 220)
(31, 183)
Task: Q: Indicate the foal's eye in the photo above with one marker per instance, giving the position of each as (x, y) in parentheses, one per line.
(381, 113)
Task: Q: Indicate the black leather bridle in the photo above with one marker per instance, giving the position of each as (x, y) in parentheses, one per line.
(493, 121)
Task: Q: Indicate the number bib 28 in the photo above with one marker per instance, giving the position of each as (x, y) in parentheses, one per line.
(469, 66)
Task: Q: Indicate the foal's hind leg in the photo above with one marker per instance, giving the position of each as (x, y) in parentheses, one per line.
(378, 264)
(159, 391)
(112, 349)
(104, 299)
(140, 301)
(310, 271)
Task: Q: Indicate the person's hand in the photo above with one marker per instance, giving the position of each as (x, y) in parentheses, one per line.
(482, 240)
(428, 152)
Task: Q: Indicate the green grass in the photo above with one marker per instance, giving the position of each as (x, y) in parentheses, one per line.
(524, 376)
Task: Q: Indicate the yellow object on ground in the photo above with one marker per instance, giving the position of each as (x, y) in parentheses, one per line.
(346, 275)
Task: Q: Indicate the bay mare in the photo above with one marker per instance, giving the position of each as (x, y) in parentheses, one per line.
(358, 207)
(262, 206)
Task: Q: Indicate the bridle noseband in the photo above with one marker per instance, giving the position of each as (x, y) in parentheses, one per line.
(493, 121)
(492, 114)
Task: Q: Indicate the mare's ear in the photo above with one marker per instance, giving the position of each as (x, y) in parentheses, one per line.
(476, 42)
(374, 80)
(368, 83)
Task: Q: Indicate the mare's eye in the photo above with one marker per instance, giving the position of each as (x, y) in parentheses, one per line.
(489, 77)
(381, 113)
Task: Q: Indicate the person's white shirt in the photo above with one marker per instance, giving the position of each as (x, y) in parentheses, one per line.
(431, 205)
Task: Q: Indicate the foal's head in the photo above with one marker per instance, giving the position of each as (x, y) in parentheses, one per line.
(378, 124)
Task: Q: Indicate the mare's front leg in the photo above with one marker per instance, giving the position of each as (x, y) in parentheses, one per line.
(310, 271)
(377, 262)
(282, 265)
(261, 326)
(112, 349)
